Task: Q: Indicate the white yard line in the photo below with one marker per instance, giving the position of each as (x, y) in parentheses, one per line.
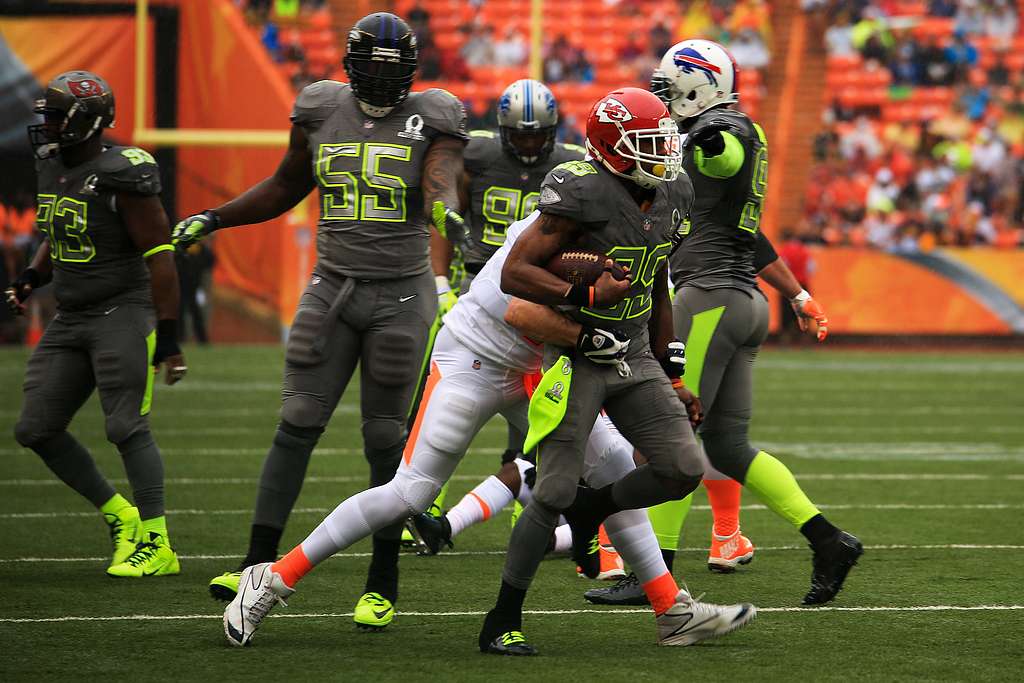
(487, 553)
(553, 612)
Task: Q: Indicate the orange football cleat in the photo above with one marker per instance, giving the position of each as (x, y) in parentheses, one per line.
(729, 551)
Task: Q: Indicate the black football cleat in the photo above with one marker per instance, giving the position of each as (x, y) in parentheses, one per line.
(626, 591)
(434, 532)
(510, 644)
(833, 560)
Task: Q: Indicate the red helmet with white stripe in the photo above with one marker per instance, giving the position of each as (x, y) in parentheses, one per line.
(631, 133)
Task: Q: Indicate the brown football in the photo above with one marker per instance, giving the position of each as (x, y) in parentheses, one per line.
(581, 267)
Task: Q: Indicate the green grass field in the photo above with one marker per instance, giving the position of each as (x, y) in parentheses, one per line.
(919, 454)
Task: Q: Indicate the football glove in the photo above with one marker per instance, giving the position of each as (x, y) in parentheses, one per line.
(708, 138)
(191, 230)
(807, 309)
(167, 349)
(602, 347)
(449, 223)
(674, 362)
(19, 290)
(446, 298)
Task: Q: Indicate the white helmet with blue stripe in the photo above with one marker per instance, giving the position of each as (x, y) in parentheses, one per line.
(695, 75)
(527, 119)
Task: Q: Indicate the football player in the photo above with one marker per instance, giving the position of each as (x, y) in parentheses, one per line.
(501, 185)
(624, 202)
(107, 250)
(719, 309)
(387, 162)
(481, 366)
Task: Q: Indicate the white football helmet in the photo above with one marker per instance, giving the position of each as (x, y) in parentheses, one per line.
(695, 75)
(528, 120)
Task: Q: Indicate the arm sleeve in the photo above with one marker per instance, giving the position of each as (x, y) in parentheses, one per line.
(764, 252)
(725, 165)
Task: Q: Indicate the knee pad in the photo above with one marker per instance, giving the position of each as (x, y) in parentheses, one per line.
(142, 438)
(30, 432)
(383, 436)
(303, 411)
(453, 416)
(729, 452)
(121, 429)
(291, 436)
(415, 490)
(555, 492)
(394, 359)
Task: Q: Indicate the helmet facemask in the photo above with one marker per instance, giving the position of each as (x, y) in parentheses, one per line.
(529, 145)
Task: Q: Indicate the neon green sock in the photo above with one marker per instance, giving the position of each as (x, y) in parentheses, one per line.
(157, 525)
(115, 505)
(775, 485)
(667, 520)
(439, 501)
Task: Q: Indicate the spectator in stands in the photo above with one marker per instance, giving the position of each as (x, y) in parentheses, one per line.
(512, 49)
(269, 37)
(430, 58)
(935, 68)
(1001, 22)
(478, 49)
(659, 40)
(749, 50)
(839, 37)
(871, 35)
(751, 15)
(883, 192)
(998, 73)
(989, 152)
(861, 141)
(905, 69)
(942, 8)
(961, 55)
(970, 19)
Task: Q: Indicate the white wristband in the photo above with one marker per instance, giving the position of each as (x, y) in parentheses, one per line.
(442, 284)
(804, 295)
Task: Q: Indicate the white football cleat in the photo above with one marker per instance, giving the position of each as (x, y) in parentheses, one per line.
(259, 589)
(690, 621)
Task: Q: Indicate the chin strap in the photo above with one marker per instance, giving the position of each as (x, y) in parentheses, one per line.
(375, 112)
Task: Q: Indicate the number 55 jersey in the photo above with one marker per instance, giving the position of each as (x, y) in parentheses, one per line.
(94, 259)
(369, 171)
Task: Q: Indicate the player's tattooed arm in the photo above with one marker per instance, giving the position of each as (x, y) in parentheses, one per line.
(542, 323)
(147, 225)
(272, 196)
(659, 326)
(442, 173)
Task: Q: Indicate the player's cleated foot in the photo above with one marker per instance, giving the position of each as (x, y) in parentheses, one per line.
(728, 552)
(225, 586)
(434, 532)
(125, 532)
(152, 557)
(511, 644)
(611, 567)
(690, 621)
(259, 590)
(833, 560)
(587, 557)
(626, 591)
(373, 612)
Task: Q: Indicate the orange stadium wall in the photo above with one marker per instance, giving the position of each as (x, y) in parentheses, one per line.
(227, 80)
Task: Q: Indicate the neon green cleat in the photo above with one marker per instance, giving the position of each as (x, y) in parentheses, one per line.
(225, 586)
(373, 612)
(150, 558)
(125, 532)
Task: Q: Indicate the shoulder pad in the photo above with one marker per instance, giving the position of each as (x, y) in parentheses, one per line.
(128, 169)
(571, 151)
(481, 150)
(568, 190)
(316, 102)
(443, 112)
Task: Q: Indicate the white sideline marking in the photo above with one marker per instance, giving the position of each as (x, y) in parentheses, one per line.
(222, 481)
(746, 508)
(541, 612)
(484, 553)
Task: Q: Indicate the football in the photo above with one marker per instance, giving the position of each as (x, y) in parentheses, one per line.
(582, 267)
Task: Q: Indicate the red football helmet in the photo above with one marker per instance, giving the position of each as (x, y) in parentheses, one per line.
(630, 131)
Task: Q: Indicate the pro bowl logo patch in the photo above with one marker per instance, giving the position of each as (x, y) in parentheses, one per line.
(554, 394)
(84, 88)
(689, 60)
(413, 126)
(613, 111)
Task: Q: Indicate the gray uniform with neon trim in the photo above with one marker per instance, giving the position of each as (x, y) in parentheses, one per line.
(718, 310)
(102, 335)
(502, 190)
(371, 300)
(643, 405)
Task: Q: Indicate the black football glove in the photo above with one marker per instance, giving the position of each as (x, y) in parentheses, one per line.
(191, 230)
(167, 350)
(602, 347)
(708, 138)
(674, 362)
(19, 290)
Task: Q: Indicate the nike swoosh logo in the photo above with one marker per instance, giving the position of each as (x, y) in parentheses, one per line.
(108, 312)
(403, 299)
(689, 626)
(381, 615)
(558, 179)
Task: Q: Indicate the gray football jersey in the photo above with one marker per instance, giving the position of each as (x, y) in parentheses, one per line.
(614, 224)
(372, 224)
(719, 243)
(95, 261)
(502, 190)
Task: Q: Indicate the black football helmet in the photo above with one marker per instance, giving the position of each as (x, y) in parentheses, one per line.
(381, 60)
(76, 106)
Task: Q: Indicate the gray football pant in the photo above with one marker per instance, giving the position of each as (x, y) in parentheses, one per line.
(383, 326)
(110, 349)
(646, 411)
(723, 330)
